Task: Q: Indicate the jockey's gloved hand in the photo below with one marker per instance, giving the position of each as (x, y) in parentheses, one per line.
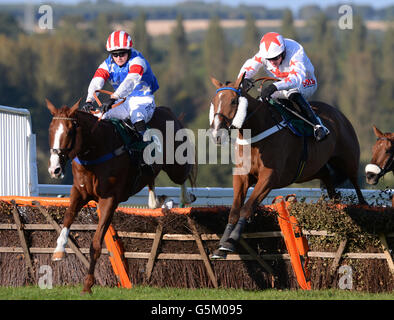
(107, 105)
(268, 91)
(88, 106)
(247, 84)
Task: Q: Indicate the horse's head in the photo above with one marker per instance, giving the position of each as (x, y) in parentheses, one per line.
(228, 109)
(382, 157)
(62, 133)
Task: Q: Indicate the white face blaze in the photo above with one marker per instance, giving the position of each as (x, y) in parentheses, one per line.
(54, 160)
(214, 121)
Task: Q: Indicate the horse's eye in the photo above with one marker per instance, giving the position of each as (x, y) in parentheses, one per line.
(234, 101)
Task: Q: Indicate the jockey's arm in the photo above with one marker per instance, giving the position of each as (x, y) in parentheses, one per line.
(251, 66)
(101, 75)
(297, 73)
(132, 79)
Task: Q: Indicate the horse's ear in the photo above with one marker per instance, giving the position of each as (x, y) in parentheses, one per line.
(239, 80)
(216, 83)
(377, 132)
(51, 107)
(75, 106)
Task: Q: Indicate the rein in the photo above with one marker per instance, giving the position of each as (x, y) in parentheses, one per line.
(61, 152)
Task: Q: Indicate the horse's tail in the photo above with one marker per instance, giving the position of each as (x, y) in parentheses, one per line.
(194, 171)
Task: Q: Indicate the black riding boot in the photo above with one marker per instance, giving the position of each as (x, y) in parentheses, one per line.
(140, 126)
(319, 130)
(140, 144)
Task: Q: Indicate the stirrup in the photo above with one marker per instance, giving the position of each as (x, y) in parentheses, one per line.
(320, 132)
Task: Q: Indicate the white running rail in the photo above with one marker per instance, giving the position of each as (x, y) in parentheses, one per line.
(224, 196)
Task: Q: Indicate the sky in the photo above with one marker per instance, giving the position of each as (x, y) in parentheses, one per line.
(293, 4)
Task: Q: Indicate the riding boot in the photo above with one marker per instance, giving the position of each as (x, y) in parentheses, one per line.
(140, 126)
(140, 144)
(319, 130)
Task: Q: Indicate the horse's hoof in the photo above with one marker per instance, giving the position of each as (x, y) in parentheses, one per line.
(86, 291)
(58, 256)
(227, 246)
(192, 197)
(219, 254)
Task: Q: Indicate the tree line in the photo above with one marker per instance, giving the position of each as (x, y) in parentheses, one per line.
(117, 11)
(353, 68)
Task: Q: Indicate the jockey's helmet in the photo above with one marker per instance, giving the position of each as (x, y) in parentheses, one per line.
(271, 45)
(119, 40)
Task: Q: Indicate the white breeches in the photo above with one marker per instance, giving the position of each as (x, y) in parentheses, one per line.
(306, 92)
(135, 108)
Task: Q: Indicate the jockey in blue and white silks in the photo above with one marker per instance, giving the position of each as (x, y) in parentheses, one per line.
(132, 78)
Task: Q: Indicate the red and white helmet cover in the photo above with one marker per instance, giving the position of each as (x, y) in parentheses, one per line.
(271, 45)
(119, 40)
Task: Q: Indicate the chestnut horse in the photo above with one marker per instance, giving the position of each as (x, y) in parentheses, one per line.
(103, 171)
(382, 158)
(275, 153)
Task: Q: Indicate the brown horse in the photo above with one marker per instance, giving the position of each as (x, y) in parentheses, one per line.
(275, 153)
(103, 170)
(382, 158)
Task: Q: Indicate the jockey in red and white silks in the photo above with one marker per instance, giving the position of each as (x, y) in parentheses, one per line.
(286, 60)
(296, 70)
(132, 78)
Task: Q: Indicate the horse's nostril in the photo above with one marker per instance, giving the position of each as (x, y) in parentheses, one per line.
(57, 170)
(370, 175)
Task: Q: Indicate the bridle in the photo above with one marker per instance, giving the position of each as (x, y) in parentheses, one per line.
(63, 153)
(227, 120)
(390, 161)
(239, 94)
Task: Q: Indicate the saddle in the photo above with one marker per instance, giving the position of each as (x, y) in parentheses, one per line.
(131, 139)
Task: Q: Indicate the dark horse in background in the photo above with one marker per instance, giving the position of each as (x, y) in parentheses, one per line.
(274, 160)
(382, 158)
(105, 172)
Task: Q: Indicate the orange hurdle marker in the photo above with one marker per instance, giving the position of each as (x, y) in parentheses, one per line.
(116, 256)
(296, 244)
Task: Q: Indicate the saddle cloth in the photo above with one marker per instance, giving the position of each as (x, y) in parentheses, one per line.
(296, 125)
(131, 140)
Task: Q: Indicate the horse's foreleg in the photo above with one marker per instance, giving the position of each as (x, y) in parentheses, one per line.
(76, 204)
(261, 190)
(153, 202)
(240, 186)
(107, 208)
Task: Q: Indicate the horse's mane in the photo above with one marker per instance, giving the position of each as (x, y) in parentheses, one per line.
(92, 119)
